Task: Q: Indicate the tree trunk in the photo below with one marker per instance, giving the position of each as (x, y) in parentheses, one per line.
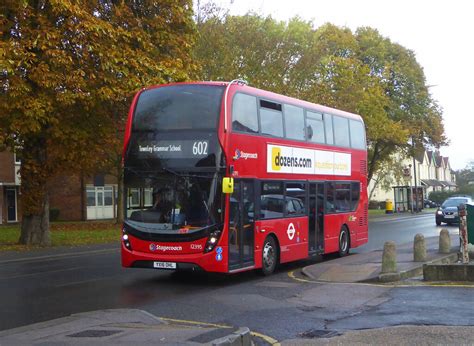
(35, 227)
(34, 194)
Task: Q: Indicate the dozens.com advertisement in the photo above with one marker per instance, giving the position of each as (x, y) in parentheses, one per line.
(284, 159)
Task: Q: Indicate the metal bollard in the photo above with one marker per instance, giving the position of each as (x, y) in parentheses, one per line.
(419, 248)
(463, 234)
(444, 241)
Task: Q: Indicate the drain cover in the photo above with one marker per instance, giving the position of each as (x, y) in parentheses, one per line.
(319, 333)
(94, 333)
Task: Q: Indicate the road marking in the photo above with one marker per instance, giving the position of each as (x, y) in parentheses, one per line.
(196, 323)
(38, 273)
(52, 257)
(264, 337)
(81, 282)
(292, 276)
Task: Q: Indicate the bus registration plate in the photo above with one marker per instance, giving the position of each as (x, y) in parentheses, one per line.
(164, 265)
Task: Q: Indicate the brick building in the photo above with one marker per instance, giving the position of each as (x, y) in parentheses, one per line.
(73, 198)
(9, 188)
(84, 198)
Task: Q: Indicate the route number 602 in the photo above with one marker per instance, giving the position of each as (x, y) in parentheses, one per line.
(200, 148)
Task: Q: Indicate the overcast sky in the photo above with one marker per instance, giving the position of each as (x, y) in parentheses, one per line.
(441, 33)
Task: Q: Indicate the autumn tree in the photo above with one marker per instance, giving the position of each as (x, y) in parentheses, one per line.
(361, 72)
(68, 71)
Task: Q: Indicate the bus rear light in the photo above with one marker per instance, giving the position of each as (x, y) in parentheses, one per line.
(212, 240)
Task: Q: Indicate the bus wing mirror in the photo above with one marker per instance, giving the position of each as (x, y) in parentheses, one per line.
(228, 185)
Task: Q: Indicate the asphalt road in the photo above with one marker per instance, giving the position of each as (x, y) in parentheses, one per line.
(401, 230)
(40, 288)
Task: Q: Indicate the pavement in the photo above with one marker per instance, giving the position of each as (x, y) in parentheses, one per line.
(366, 267)
(132, 326)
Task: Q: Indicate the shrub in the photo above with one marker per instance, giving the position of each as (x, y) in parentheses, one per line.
(440, 196)
(376, 204)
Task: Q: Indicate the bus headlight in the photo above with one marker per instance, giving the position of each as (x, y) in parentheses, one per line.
(212, 240)
(126, 240)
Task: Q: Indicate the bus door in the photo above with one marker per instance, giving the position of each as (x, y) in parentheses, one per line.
(316, 217)
(241, 224)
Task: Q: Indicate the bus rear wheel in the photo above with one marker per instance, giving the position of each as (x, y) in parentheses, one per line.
(344, 242)
(269, 256)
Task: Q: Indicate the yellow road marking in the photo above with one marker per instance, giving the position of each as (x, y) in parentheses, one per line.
(291, 274)
(266, 338)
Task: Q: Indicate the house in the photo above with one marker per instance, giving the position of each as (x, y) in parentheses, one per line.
(9, 187)
(428, 171)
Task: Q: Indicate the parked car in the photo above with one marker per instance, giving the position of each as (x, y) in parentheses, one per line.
(448, 212)
(430, 204)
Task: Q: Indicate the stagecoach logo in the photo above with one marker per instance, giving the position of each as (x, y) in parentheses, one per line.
(156, 247)
(352, 218)
(291, 231)
(240, 154)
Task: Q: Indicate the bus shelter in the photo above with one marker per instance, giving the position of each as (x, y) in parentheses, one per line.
(404, 198)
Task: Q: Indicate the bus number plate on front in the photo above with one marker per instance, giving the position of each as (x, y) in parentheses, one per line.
(164, 265)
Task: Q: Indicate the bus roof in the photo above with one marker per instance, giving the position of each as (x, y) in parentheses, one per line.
(272, 96)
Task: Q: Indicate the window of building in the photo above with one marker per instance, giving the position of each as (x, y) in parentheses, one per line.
(341, 131)
(108, 196)
(294, 122)
(272, 200)
(357, 134)
(148, 197)
(17, 158)
(244, 113)
(315, 127)
(328, 128)
(134, 195)
(271, 118)
(90, 193)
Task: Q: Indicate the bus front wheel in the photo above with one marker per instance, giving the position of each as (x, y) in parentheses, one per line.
(269, 256)
(344, 242)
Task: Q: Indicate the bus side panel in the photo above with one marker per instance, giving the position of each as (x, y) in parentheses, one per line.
(332, 227)
(292, 236)
(363, 233)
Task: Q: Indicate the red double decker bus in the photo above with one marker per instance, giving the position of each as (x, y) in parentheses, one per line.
(224, 177)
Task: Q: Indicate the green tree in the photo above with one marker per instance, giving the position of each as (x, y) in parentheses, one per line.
(411, 111)
(359, 72)
(68, 71)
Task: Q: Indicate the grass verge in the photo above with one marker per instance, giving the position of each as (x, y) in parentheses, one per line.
(64, 234)
(376, 212)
